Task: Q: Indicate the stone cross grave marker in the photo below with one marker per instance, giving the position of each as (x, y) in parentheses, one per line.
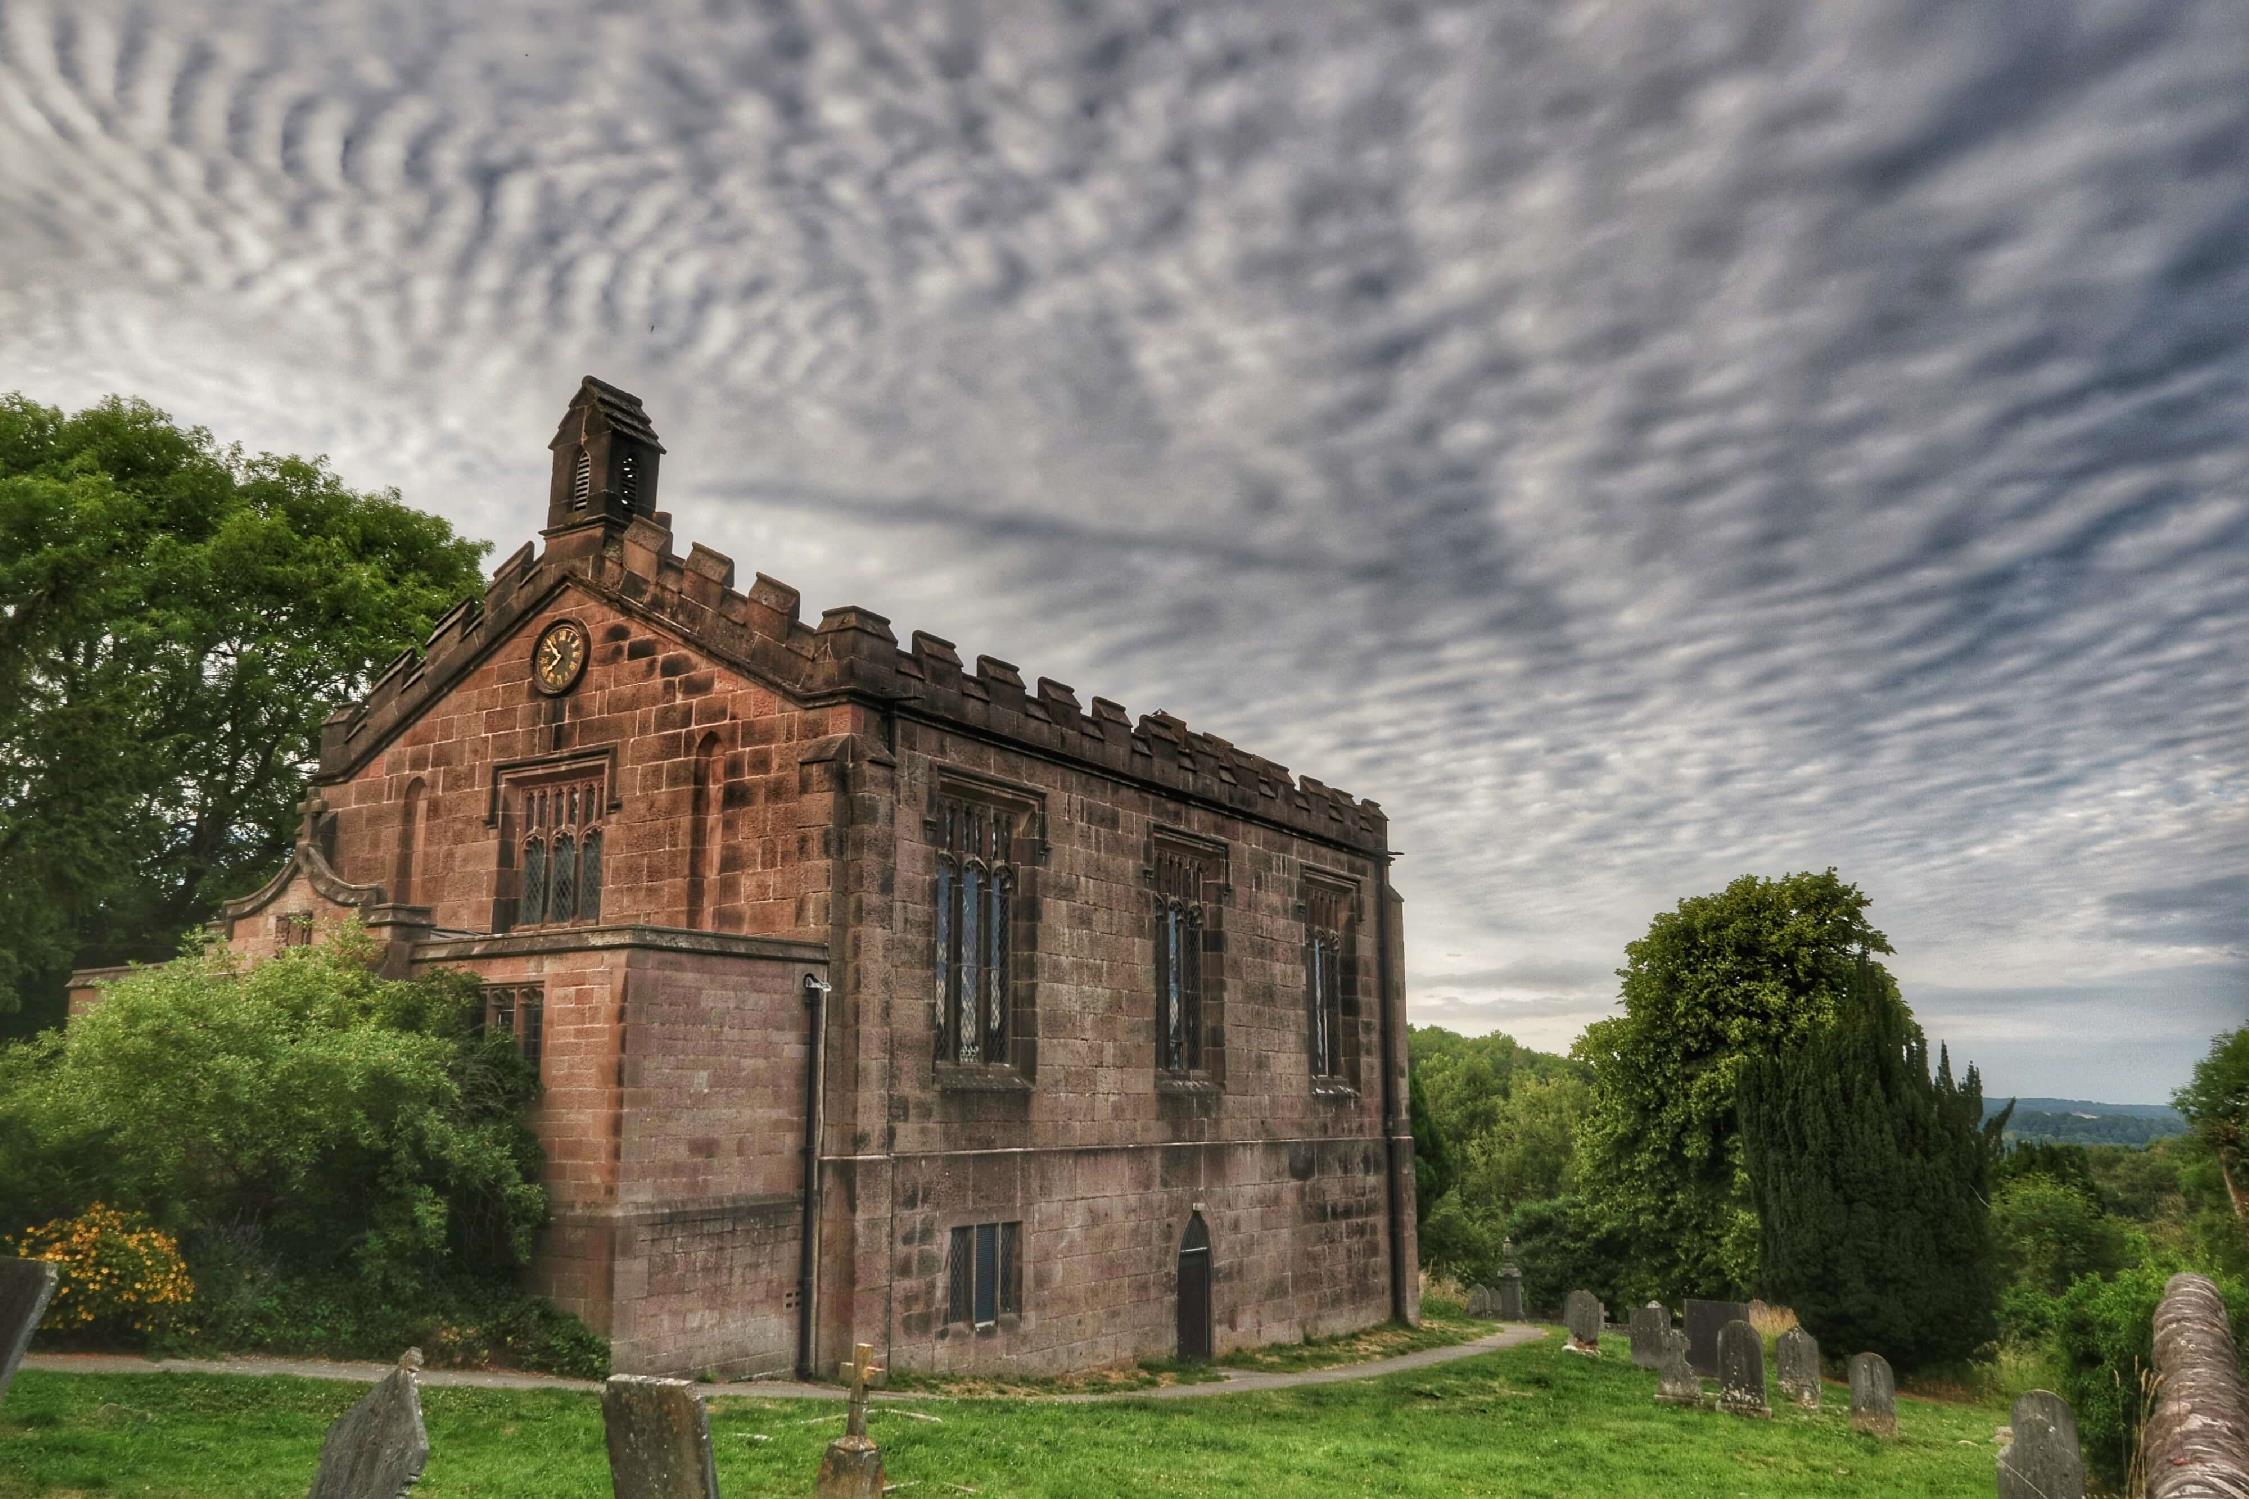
(852, 1466)
(25, 1288)
(1741, 1371)
(1704, 1318)
(1583, 1314)
(1649, 1324)
(2043, 1460)
(1676, 1381)
(659, 1439)
(1874, 1395)
(377, 1448)
(1799, 1357)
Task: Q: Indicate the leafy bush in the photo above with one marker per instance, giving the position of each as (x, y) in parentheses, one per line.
(345, 1159)
(2104, 1333)
(345, 1119)
(2051, 1233)
(458, 1321)
(1567, 1244)
(114, 1272)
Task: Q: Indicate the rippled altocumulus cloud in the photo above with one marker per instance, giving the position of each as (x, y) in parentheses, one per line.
(1638, 443)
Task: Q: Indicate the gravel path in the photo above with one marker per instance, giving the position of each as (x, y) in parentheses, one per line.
(1235, 1381)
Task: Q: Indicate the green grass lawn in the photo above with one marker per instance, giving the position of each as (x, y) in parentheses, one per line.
(1525, 1421)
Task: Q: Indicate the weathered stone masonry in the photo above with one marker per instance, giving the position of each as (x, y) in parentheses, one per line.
(765, 807)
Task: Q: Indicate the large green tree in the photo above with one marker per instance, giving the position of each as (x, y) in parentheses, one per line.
(1718, 981)
(1871, 1182)
(2216, 1103)
(176, 618)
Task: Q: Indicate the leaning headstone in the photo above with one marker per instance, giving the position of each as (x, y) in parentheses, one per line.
(377, 1448)
(1583, 1314)
(1874, 1395)
(2042, 1461)
(1741, 1371)
(1704, 1319)
(25, 1288)
(1799, 1358)
(1510, 1295)
(1649, 1324)
(852, 1466)
(1676, 1381)
(659, 1439)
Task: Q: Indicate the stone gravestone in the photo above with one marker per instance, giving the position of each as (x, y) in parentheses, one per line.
(1483, 1301)
(377, 1448)
(659, 1439)
(1799, 1358)
(1874, 1395)
(1583, 1314)
(852, 1468)
(2042, 1461)
(1649, 1324)
(1676, 1381)
(1704, 1318)
(1510, 1295)
(1741, 1371)
(25, 1288)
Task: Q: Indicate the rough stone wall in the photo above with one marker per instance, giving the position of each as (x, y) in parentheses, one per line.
(1101, 1164)
(646, 702)
(2196, 1445)
(710, 1164)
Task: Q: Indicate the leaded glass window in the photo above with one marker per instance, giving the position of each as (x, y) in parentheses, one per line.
(559, 853)
(1184, 879)
(974, 929)
(1326, 929)
(517, 1011)
(983, 1273)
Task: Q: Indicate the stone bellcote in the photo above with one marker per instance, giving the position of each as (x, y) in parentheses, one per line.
(605, 459)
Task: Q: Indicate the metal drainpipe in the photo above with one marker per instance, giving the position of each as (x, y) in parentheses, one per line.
(808, 1247)
(1398, 1298)
(815, 1001)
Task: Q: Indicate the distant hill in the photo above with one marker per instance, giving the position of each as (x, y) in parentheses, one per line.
(2078, 1121)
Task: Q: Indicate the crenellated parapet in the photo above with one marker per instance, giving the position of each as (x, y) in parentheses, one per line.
(852, 654)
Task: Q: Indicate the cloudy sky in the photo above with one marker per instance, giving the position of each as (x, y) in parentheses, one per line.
(1638, 443)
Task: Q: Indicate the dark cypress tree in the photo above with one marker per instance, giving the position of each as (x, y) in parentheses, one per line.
(1870, 1178)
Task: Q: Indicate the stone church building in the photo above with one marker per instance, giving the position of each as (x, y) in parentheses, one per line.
(876, 997)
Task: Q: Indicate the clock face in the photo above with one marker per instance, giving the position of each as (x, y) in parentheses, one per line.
(559, 657)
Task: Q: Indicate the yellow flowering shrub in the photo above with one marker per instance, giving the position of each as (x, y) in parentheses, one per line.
(113, 1270)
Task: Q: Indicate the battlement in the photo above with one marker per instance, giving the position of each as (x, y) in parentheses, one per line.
(603, 536)
(851, 653)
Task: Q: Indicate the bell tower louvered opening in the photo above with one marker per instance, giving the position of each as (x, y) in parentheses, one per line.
(605, 460)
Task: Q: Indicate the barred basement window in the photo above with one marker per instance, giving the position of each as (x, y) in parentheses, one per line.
(1183, 879)
(983, 1273)
(561, 854)
(975, 899)
(1327, 922)
(293, 929)
(518, 1011)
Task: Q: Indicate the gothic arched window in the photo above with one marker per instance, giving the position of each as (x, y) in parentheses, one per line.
(1183, 880)
(1327, 976)
(560, 844)
(975, 898)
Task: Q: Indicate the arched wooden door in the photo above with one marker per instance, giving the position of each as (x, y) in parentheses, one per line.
(1194, 1293)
